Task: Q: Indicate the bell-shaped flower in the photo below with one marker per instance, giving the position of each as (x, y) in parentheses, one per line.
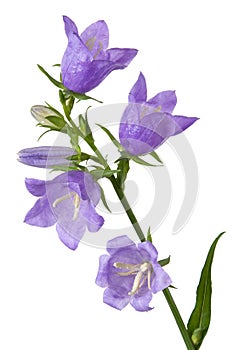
(45, 156)
(87, 61)
(145, 125)
(130, 274)
(69, 201)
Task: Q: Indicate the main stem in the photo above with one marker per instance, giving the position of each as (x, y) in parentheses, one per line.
(138, 230)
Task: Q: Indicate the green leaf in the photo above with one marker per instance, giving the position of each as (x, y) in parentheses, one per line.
(164, 262)
(80, 97)
(148, 236)
(57, 121)
(103, 198)
(54, 81)
(112, 138)
(141, 161)
(123, 168)
(156, 156)
(98, 173)
(201, 315)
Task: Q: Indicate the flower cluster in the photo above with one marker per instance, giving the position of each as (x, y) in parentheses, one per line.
(129, 272)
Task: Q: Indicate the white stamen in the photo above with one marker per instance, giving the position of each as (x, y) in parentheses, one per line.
(76, 203)
(61, 199)
(142, 271)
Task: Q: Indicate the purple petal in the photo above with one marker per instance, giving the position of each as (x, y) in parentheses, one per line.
(166, 100)
(161, 279)
(94, 221)
(96, 38)
(92, 74)
(102, 276)
(141, 302)
(115, 300)
(35, 187)
(138, 93)
(66, 238)
(92, 189)
(149, 249)
(117, 243)
(40, 214)
(75, 58)
(182, 123)
(122, 56)
(70, 26)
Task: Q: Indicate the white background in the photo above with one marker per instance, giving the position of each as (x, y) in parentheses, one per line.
(48, 296)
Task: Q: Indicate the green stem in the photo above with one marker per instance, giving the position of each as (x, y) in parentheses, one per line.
(178, 319)
(133, 220)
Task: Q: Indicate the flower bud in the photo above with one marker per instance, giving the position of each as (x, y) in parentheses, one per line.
(45, 156)
(47, 117)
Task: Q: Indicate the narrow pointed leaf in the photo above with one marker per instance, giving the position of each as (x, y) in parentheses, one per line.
(103, 198)
(164, 262)
(201, 315)
(80, 97)
(98, 173)
(54, 81)
(113, 139)
(148, 236)
(57, 121)
(156, 156)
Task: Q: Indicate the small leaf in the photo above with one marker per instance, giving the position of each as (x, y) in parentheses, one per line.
(57, 121)
(80, 97)
(98, 173)
(54, 81)
(164, 262)
(123, 167)
(148, 236)
(201, 315)
(113, 139)
(102, 196)
(141, 161)
(156, 156)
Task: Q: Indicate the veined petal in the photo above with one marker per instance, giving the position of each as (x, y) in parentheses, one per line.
(115, 300)
(40, 214)
(182, 123)
(35, 187)
(96, 38)
(94, 221)
(70, 26)
(66, 238)
(119, 242)
(138, 93)
(92, 189)
(148, 248)
(122, 56)
(166, 100)
(141, 302)
(102, 276)
(161, 279)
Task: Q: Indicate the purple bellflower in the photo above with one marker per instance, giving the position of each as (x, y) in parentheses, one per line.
(130, 274)
(87, 61)
(69, 200)
(45, 156)
(145, 125)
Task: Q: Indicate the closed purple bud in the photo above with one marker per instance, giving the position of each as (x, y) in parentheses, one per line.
(45, 156)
